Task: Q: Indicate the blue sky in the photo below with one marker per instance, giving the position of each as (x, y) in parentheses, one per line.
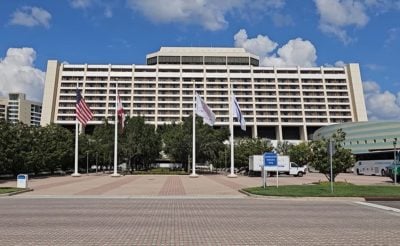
(281, 32)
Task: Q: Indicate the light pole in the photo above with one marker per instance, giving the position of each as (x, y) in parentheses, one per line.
(96, 161)
(225, 158)
(395, 163)
(87, 162)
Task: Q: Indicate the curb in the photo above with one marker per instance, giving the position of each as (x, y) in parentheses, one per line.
(16, 192)
(309, 198)
(386, 199)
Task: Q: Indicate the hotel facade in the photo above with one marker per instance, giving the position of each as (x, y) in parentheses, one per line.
(16, 108)
(279, 103)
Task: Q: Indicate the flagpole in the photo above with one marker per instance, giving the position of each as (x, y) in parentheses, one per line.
(115, 174)
(194, 175)
(232, 174)
(76, 173)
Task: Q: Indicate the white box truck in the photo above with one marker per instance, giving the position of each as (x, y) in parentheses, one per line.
(284, 166)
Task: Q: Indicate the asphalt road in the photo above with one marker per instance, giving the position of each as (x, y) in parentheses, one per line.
(194, 221)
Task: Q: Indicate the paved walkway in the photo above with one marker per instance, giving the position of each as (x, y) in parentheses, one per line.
(167, 185)
(247, 221)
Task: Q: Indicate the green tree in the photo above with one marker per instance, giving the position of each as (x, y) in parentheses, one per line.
(177, 143)
(102, 142)
(16, 145)
(341, 160)
(245, 147)
(209, 142)
(177, 139)
(35, 158)
(20, 146)
(223, 157)
(301, 153)
(5, 139)
(140, 143)
(52, 146)
(283, 148)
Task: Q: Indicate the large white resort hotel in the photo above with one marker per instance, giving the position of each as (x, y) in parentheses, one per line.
(279, 103)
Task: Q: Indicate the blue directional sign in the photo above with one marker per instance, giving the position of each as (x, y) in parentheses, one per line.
(270, 159)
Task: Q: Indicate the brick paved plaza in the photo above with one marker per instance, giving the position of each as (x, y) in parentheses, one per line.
(168, 185)
(155, 221)
(178, 210)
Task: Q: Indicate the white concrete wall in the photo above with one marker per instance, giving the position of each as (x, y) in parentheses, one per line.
(354, 78)
(50, 91)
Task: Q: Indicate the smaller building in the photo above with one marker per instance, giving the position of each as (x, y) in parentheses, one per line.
(16, 108)
(365, 137)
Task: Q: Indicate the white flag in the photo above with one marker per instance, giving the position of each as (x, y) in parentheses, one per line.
(237, 113)
(204, 111)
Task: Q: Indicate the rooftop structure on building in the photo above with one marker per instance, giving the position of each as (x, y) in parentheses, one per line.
(279, 103)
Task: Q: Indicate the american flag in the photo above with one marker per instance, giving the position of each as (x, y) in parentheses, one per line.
(83, 112)
(120, 112)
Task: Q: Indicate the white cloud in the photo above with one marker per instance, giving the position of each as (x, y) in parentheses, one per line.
(383, 5)
(31, 16)
(381, 105)
(108, 12)
(393, 35)
(105, 6)
(340, 63)
(374, 67)
(281, 20)
(208, 13)
(261, 45)
(81, 4)
(336, 15)
(371, 87)
(297, 52)
(18, 74)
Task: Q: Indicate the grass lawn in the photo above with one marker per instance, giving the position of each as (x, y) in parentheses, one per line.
(4, 190)
(324, 190)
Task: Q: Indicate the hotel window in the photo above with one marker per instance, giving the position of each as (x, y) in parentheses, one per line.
(286, 71)
(121, 69)
(215, 60)
(152, 61)
(238, 61)
(13, 96)
(192, 60)
(254, 62)
(71, 69)
(96, 69)
(334, 72)
(192, 70)
(169, 59)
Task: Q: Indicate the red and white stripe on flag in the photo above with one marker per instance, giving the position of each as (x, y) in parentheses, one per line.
(121, 112)
(83, 112)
